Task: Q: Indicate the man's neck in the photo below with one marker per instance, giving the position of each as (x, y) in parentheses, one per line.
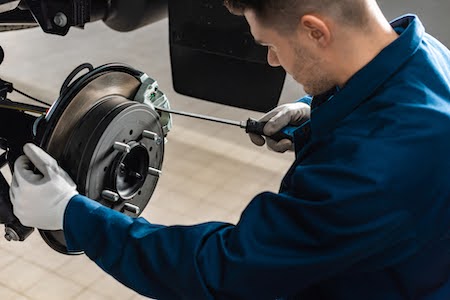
(360, 48)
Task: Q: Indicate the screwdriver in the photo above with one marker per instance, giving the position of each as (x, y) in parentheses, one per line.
(250, 126)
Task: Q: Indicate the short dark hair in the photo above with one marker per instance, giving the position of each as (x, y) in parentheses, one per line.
(285, 14)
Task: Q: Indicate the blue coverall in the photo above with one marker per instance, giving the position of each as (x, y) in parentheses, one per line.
(363, 213)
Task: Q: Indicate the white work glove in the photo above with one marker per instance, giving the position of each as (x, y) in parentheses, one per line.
(278, 118)
(40, 200)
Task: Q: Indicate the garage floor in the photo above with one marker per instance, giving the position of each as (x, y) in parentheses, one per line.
(210, 171)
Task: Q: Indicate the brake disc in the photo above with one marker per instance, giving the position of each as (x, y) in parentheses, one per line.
(110, 140)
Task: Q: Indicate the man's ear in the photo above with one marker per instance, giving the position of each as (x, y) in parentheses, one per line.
(316, 29)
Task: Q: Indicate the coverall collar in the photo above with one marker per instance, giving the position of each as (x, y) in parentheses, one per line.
(367, 80)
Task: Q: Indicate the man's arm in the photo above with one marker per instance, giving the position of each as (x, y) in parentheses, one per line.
(350, 202)
(335, 215)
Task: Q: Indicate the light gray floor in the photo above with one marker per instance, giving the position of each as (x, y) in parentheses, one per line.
(210, 171)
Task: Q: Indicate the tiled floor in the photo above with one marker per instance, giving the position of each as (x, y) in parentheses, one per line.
(210, 171)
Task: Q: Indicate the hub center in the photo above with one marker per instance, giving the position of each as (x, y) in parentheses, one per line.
(131, 171)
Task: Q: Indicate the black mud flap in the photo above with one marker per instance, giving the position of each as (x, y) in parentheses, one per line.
(215, 58)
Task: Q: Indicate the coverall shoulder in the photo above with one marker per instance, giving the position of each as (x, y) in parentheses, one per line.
(363, 213)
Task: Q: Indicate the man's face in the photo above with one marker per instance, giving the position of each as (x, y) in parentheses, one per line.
(294, 53)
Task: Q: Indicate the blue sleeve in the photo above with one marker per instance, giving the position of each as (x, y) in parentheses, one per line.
(306, 99)
(334, 217)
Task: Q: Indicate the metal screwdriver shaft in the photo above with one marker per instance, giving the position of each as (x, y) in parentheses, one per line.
(203, 117)
(250, 126)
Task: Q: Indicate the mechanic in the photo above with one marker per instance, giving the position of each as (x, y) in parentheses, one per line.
(364, 212)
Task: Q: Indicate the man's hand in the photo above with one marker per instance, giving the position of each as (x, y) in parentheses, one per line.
(281, 116)
(40, 200)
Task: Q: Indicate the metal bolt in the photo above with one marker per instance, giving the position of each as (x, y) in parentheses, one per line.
(110, 196)
(135, 175)
(122, 147)
(150, 135)
(122, 168)
(154, 172)
(132, 208)
(11, 235)
(60, 19)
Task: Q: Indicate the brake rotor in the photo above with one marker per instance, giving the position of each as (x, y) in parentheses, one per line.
(111, 146)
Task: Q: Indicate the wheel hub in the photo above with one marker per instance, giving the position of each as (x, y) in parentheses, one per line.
(111, 145)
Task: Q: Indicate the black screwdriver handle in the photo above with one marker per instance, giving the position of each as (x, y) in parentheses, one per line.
(257, 127)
